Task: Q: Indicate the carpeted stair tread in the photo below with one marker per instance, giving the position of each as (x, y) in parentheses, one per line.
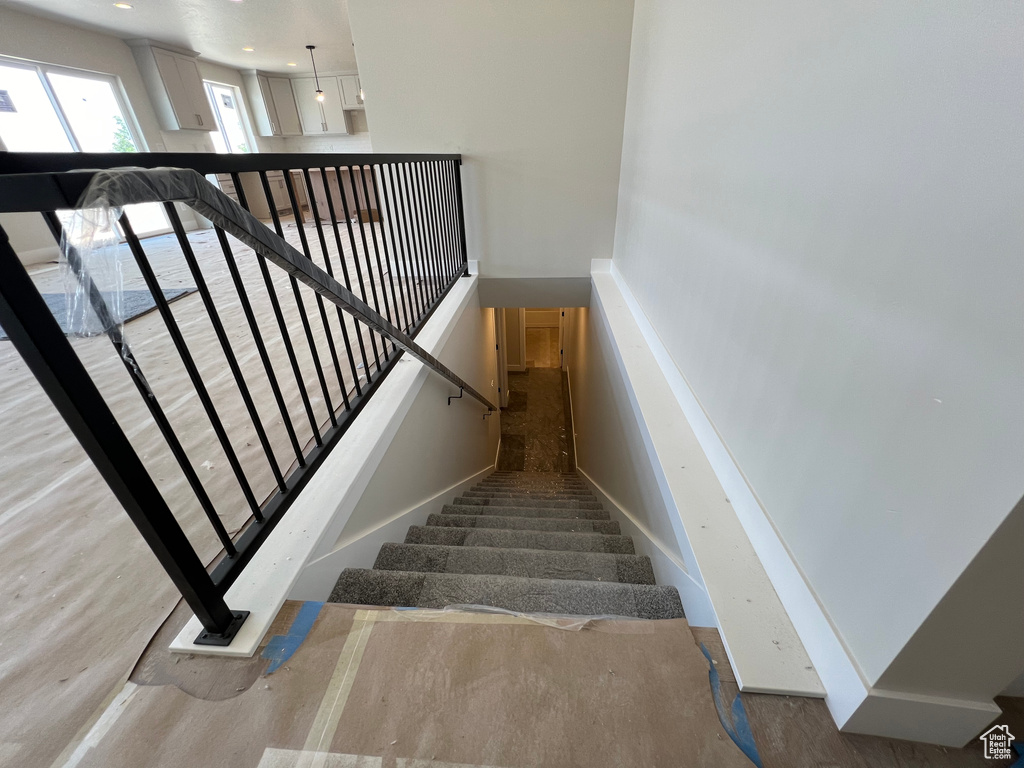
(526, 563)
(559, 596)
(520, 539)
(566, 524)
(524, 511)
(526, 501)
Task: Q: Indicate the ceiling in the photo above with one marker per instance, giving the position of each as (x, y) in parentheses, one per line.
(277, 30)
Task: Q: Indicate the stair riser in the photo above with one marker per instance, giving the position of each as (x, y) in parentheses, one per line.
(522, 563)
(526, 501)
(564, 525)
(517, 511)
(530, 494)
(506, 539)
(435, 590)
(534, 484)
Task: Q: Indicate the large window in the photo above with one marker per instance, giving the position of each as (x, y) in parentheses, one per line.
(53, 109)
(230, 136)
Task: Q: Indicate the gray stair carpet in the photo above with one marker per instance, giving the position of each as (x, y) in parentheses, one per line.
(439, 590)
(568, 524)
(530, 542)
(514, 510)
(529, 563)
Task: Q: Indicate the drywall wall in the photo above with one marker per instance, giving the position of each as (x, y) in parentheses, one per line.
(531, 93)
(547, 317)
(515, 349)
(609, 446)
(438, 445)
(819, 213)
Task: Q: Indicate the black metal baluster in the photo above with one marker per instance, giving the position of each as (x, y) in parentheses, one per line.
(392, 316)
(424, 231)
(187, 360)
(413, 221)
(432, 190)
(442, 231)
(463, 253)
(394, 249)
(348, 284)
(301, 307)
(275, 304)
(314, 210)
(301, 227)
(261, 348)
(222, 337)
(39, 339)
(366, 246)
(410, 271)
(355, 257)
(444, 169)
(124, 352)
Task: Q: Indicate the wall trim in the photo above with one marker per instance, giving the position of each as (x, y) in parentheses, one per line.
(915, 717)
(668, 568)
(319, 577)
(752, 620)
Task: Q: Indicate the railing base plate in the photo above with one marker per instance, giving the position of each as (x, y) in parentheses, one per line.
(210, 638)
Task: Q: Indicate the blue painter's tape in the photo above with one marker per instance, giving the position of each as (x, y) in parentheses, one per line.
(1018, 747)
(281, 647)
(733, 720)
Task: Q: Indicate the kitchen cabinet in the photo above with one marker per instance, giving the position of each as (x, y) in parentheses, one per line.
(320, 117)
(351, 92)
(175, 87)
(273, 104)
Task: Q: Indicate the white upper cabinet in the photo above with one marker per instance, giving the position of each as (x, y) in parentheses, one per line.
(175, 87)
(273, 104)
(320, 117)
(284, 103)
(351, 91)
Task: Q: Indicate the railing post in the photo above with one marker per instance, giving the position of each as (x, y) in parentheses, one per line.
(462, 217)
(39, 339)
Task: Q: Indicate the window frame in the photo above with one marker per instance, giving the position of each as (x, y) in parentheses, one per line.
(42, 70)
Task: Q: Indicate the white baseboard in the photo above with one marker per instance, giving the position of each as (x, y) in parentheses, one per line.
(668, 569)
(318, 578)
(913, 717)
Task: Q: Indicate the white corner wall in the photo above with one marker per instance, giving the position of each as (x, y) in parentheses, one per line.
(531, 93)
(819, 215)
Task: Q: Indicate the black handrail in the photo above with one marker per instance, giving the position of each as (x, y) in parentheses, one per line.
(428, 275)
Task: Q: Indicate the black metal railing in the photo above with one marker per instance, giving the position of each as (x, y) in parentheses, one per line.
(271, 375)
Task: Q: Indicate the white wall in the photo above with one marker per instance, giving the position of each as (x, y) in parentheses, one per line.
(433, 453)
(609, 446)
(531, 93)
(819, 213)
(438, 445)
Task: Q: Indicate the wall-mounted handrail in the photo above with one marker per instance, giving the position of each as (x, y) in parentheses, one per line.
(402, 215)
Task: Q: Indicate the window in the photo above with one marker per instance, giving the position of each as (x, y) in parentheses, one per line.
(54, 109)
(230, 136)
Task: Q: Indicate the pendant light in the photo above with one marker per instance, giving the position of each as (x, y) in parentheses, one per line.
(319, 93)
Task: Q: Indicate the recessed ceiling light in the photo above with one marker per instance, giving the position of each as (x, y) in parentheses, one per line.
(292, 64)
(123, 6)
(249, 49)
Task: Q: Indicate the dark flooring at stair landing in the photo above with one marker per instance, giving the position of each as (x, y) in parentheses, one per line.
(536, 428)
(529, 542)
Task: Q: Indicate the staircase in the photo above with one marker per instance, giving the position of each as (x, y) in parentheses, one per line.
(530, 542)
